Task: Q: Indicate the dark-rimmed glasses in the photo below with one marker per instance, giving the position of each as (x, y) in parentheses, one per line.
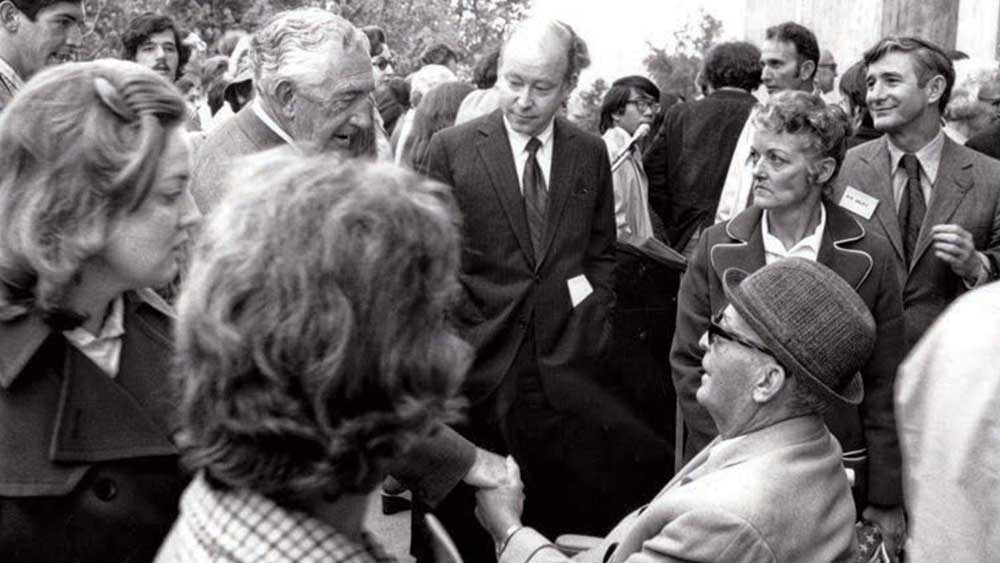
(716, 330)
(643, 105)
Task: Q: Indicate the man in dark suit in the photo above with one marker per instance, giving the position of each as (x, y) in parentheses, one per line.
(937, 202)
(310, 94)
(685, 179)
(536, 197)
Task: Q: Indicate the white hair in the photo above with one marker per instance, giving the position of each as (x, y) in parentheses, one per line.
(295, 46)
(970, 76)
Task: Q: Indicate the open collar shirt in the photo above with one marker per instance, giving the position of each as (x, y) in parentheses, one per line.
(807, 248)
(105, 348)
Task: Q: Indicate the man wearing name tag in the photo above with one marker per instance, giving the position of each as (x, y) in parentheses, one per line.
(537, 206)
(936, 201)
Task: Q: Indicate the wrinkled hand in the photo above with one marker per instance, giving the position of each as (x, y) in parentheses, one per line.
(954, 245)
(500, 507)
(892, 523)
(487, 471)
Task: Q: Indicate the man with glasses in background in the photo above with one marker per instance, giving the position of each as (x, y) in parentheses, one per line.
(35, 34)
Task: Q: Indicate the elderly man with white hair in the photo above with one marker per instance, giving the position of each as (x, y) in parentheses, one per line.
(313, 80)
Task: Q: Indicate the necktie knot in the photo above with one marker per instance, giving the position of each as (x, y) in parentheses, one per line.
(533, 145)
(912, 166)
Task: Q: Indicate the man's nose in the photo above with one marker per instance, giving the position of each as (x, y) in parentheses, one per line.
(74, 37)
(362, 116)
(703, 341)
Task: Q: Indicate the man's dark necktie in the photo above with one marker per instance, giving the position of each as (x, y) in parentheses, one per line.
(536, 198)
(911, 206)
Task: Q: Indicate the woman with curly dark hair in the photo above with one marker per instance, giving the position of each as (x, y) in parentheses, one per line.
(313, 349)
(94, 209)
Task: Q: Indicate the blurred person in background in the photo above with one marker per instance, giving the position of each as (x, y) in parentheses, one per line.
(440, 53)
(295, 403)
(35, 34)
(436, 112)
(826, 77)
(966, 115)
(421, 82)
(95, 209)
(484, 99)
(392, 99)
(627, 113)
(853, 91)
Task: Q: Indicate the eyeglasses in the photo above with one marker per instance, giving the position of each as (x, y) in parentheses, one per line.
(382, 62)
(643, 105)
(716, 330)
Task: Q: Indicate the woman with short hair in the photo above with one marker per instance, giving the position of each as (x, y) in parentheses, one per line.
(797, 151)
(94, 209)
(313, 349)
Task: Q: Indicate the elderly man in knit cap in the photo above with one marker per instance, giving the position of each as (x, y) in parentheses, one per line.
(771, 487)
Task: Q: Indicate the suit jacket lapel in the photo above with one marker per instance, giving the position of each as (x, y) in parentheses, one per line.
(877, 159)
(494, 151)
(747, 250)
(560, 180)
(953, 181)
(257, 131)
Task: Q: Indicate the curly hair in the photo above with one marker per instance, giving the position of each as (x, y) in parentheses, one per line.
(437, 111)
(438, 54)
(734, 64)
(928, 58)
(81, 146)
(313, 344)
(801, 113)
(142, 27)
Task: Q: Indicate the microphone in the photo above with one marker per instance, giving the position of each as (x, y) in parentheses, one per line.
(640, 132)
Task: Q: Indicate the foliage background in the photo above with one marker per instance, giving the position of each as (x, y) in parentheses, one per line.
(472, 26)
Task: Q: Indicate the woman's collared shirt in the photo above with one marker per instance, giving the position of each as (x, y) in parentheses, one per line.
(807, 248)
(241, 525)
(105, 349)
(631, 189)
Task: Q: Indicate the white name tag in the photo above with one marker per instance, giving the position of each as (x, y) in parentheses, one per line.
(858, 202)
(579, 289)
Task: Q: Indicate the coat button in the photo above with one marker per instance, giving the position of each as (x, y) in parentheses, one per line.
(105, 489)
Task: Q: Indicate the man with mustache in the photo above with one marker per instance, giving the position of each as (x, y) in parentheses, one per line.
(154, 42)
(313, 80)
(34, 34)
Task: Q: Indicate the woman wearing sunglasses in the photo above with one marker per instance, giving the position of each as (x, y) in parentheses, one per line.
(797, 151)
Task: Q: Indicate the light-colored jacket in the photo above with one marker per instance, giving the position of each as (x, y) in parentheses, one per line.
(631, 188)
(778, 495)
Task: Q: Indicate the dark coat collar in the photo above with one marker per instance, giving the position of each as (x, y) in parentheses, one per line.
(746, 251)
(21, 339)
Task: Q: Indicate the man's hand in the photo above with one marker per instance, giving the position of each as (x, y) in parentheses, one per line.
(954, 245)
(500, 507)
(488, 470)
(892, 523)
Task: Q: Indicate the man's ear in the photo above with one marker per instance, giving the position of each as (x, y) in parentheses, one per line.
(9, 16)
(807, 70)
(770, 381)
(284, 94)
(935, 88)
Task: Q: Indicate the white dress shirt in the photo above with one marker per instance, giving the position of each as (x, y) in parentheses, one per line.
(105, 349)
(807, 248)
(519, 149)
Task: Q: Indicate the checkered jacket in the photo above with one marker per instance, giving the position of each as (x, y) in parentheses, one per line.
(242, 526)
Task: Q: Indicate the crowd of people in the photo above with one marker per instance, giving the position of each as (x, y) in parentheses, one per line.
(243, 288)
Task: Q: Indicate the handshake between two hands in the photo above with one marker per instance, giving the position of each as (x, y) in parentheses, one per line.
(500, 498)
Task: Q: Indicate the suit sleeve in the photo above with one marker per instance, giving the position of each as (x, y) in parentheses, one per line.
(694, 309)
(879, 374)
(435, 465)
(705, 536)
(599, 261)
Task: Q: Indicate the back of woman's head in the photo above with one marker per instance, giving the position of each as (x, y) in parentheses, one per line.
(854, 89)
(80, 147)
(436, 111)
(313, 342)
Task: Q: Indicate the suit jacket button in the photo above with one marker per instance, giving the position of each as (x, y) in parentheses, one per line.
(105, 489)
